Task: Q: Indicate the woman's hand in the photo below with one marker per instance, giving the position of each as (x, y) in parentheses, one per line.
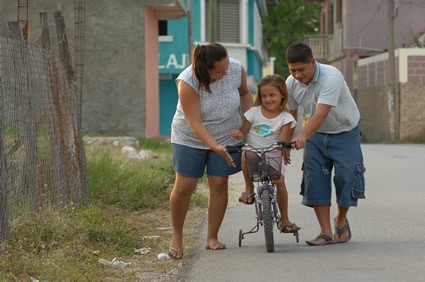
(222, 151)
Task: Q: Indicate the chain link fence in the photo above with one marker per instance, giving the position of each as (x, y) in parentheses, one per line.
(42, 157)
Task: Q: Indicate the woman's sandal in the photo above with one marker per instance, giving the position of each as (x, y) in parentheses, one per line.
(175, 253)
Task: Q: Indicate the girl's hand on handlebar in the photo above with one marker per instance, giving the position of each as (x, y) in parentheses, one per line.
(287, 156)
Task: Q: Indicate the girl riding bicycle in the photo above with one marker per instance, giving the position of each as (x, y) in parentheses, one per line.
(264, 124)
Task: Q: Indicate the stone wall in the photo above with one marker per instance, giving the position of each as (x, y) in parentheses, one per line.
(412, 113)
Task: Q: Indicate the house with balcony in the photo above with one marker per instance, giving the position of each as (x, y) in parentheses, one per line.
(237, 26)
(355, 37)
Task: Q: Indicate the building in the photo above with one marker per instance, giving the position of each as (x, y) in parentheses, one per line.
(352, 31)
(238, 26)
(120, 89)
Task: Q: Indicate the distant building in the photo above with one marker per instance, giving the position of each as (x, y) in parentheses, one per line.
(238, 27)
(354, 38)
(121, 59)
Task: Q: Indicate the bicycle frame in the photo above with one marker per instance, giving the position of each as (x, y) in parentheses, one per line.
(266, 206)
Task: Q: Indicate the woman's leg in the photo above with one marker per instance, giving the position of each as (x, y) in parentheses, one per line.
(217, 204)
(179, 204)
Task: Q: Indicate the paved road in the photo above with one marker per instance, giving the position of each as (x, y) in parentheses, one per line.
(388, 231)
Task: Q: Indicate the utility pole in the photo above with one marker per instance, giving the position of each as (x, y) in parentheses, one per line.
(212, 19)
(391, 71)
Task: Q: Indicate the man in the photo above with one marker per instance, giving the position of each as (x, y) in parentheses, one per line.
(330, 139)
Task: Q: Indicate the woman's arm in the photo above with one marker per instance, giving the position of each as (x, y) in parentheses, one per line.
(191, 106)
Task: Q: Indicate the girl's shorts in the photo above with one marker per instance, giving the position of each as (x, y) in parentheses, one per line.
(193, 162)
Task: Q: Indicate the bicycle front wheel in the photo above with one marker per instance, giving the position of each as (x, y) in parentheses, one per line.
(268, 220)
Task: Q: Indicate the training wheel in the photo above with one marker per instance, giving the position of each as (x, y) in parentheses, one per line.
(240, 237)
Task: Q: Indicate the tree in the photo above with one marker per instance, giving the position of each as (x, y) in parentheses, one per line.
(286, 22)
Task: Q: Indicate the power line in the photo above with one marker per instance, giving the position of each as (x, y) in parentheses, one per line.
(371, 19)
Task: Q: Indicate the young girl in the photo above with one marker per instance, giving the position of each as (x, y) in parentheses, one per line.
(266, 123)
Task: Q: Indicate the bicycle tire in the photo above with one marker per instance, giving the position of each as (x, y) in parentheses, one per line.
(268, 220)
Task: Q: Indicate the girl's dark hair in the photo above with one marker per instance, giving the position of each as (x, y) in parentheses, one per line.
(203, 59)
(277, 81)
(298, 52)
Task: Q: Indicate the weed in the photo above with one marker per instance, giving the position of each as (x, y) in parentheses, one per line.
(129, 211)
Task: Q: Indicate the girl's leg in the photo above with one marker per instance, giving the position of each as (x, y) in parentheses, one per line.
(282, 201)
(249, 186)
(217, 204)
(179, 204)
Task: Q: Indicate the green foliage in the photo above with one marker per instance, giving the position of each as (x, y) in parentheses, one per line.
(129, 205)
(129, 184)
(286, 22)
(157, 145)
(57, 244)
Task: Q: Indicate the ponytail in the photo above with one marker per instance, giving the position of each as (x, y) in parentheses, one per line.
(203, 59)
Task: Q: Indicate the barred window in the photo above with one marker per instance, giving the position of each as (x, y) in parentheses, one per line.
(227, 23)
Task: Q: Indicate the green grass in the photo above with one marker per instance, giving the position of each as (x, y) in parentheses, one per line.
(129, 204)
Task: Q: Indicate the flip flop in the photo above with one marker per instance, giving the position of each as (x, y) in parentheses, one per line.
(175, 253)
(215, 246)
(327, 238)
(341, 231)
(247, 196)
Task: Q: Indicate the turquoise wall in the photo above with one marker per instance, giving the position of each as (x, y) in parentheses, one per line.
(173, 55)
(168, 100)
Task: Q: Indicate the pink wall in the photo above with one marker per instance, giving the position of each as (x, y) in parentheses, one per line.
(151, 73)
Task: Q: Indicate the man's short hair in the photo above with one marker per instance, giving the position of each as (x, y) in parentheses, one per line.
(298, 52)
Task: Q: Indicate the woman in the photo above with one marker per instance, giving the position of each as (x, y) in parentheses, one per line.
(212, 91)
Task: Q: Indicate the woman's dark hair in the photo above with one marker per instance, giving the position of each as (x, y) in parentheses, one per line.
(203, 59)
(298, 52)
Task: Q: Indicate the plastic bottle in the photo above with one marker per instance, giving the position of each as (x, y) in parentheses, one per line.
(163, 256)
(116, 263)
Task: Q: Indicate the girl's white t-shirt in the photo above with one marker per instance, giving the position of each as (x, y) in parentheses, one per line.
(264, 132)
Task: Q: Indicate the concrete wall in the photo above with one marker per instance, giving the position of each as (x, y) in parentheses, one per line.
(401, 113)
(374, 124)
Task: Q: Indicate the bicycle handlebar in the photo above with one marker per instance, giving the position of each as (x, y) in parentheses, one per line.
(245, 147)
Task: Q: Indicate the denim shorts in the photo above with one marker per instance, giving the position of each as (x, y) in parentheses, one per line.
(192, 162)
(340, 153)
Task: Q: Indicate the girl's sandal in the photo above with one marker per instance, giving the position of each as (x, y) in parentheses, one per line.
(175, 253)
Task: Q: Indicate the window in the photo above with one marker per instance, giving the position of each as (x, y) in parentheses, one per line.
(226, 24)
(331, 19)
(339, 11)
(163, 28)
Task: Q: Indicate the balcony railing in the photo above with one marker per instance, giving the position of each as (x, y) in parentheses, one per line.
(319, 46)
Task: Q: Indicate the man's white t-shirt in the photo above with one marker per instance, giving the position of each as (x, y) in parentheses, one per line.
(328, 87)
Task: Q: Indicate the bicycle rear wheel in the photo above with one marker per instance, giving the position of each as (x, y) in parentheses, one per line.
(268, 220)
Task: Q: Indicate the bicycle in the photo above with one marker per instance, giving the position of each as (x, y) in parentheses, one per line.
(264, 167)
